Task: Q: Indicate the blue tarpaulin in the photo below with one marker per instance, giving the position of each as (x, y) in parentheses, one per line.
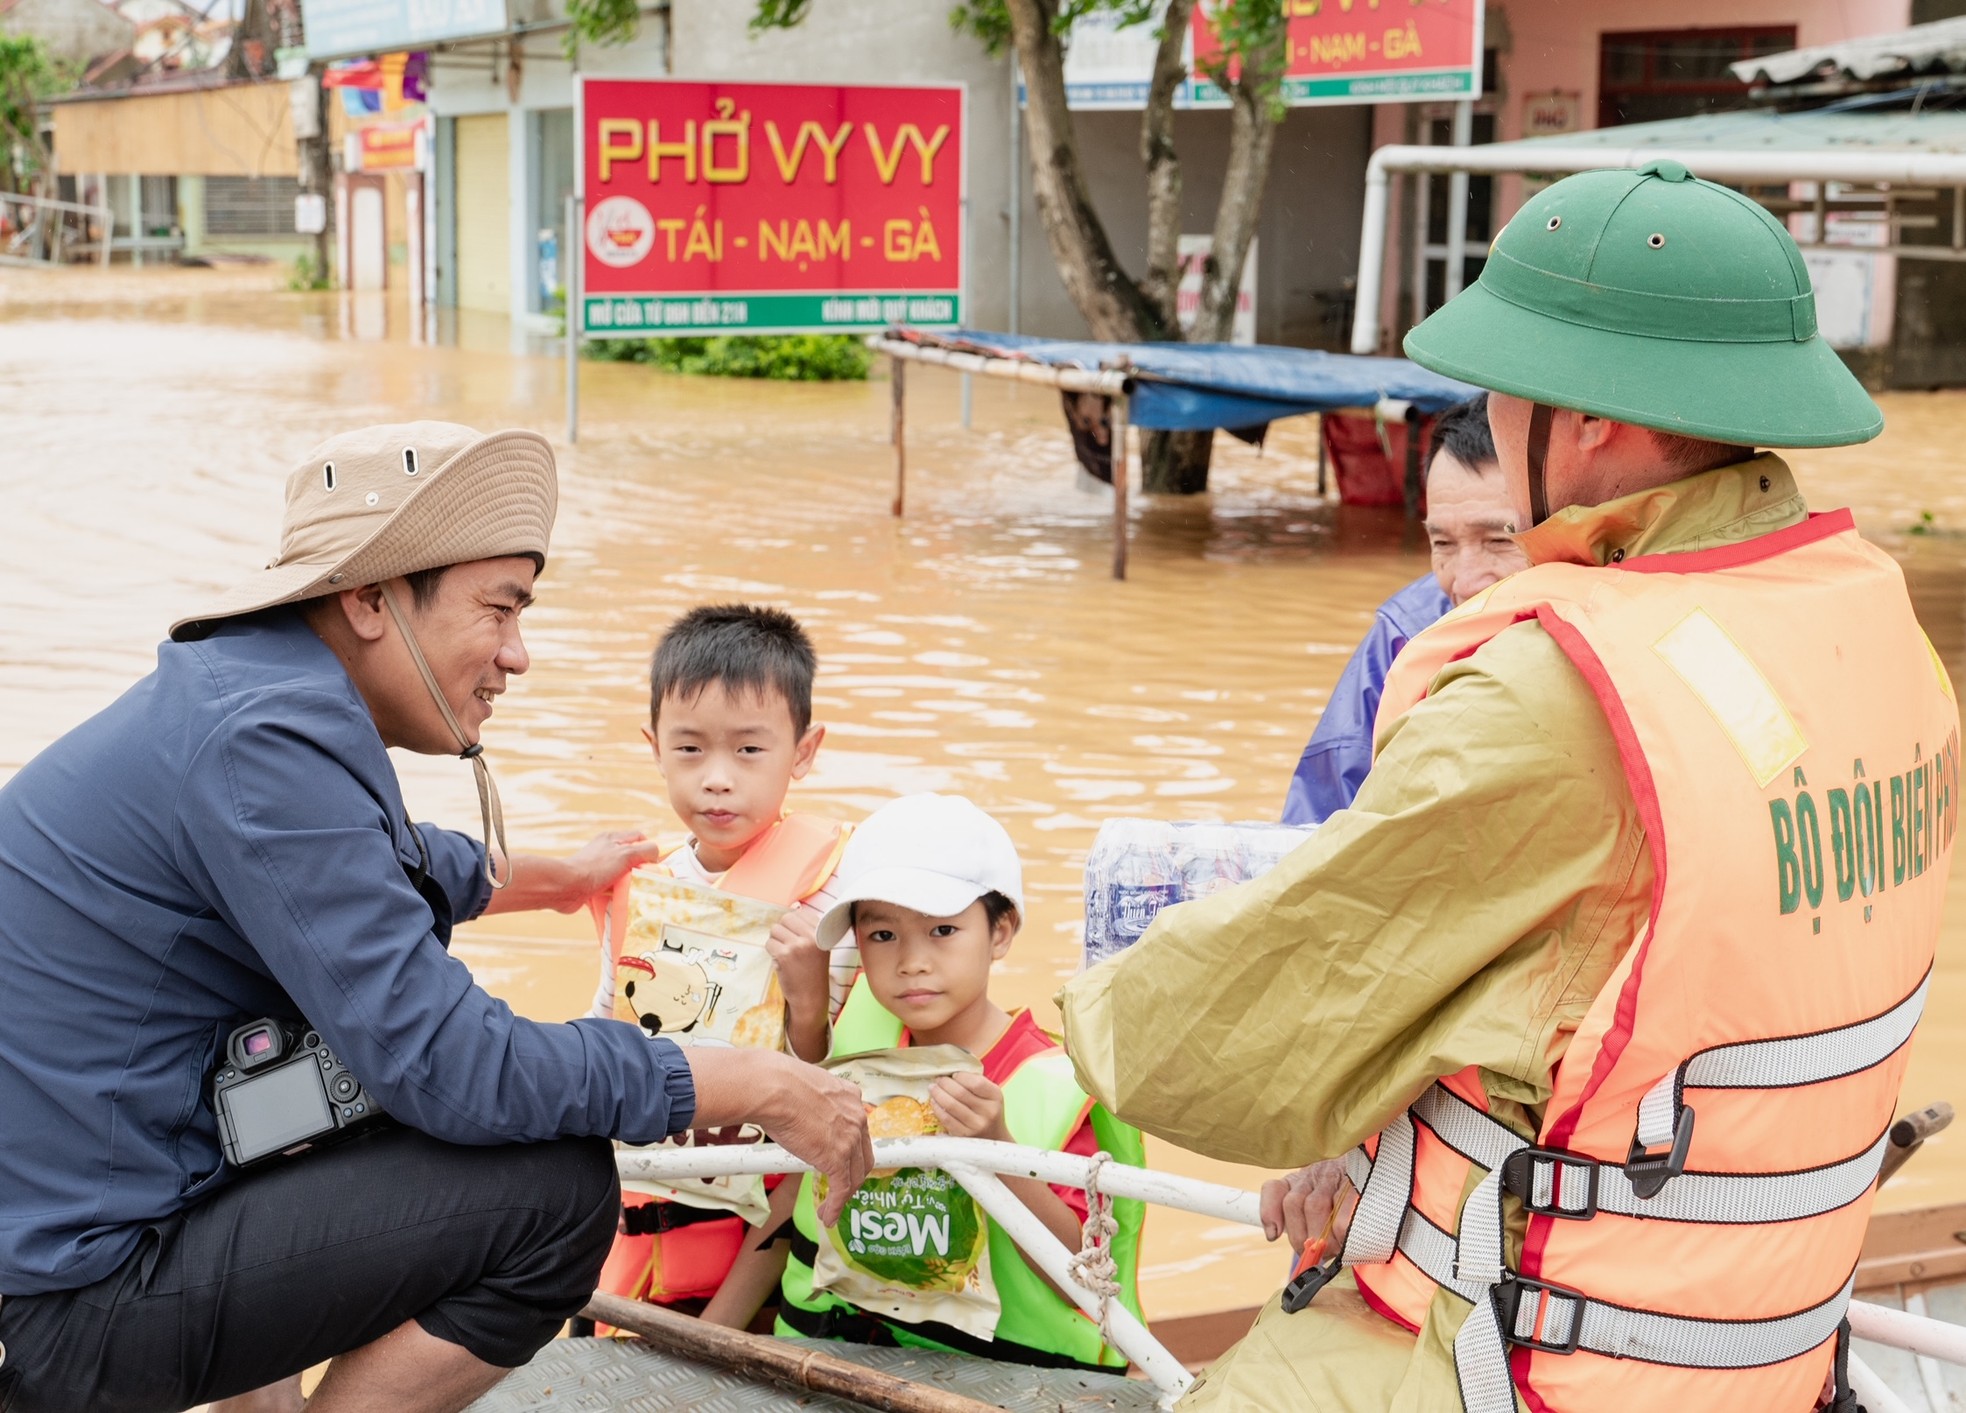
(1182, 387)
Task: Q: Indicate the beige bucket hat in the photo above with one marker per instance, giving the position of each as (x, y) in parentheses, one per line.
(370, 505)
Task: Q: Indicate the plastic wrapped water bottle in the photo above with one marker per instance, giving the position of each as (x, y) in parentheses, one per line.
(1139, 866)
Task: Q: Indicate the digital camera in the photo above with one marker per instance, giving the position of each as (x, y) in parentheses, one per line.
(281, 1091)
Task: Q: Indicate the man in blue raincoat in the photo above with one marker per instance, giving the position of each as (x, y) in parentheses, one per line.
(1470, 529)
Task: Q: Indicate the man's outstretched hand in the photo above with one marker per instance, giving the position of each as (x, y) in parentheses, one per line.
(537, 881)
(813, 1115)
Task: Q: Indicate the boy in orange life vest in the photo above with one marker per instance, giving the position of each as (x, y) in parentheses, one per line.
(730, 721)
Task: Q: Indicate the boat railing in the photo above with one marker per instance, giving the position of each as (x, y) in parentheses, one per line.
(980, 1166)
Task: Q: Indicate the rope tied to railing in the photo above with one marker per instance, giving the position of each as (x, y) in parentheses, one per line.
(1094, 1267)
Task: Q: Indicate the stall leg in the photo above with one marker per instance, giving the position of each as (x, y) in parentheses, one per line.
(897, 418)
(1121, 473)
(1323, 457)
(1416, 488)
(574, 250)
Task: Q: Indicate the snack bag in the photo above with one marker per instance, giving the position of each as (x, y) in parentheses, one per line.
(911, 1245)
(693, 969)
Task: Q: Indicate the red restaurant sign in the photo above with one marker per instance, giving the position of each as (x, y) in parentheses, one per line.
(1367, 51)
(769, 208)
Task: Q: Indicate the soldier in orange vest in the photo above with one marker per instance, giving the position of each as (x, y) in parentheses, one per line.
(1606, 980)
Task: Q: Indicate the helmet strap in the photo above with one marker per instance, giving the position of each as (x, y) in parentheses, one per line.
(1539, 451)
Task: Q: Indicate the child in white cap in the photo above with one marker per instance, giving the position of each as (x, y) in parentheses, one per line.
(931, 888)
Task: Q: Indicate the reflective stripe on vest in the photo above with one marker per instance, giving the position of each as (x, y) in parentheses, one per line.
(1043, 1107)
(1791, 744)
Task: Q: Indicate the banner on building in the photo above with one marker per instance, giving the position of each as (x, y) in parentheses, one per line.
(717, 208)
(344, 28)
(1341, 51)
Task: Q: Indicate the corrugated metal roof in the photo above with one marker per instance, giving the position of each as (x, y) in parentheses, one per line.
(1939, 131)
(1939, 47)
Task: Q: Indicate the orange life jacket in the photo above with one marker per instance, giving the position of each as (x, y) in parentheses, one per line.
(1792, 744)
(670, 1251)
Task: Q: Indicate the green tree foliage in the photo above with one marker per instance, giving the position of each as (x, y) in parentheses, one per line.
(802, 358)
(607, 23)
(27, 75)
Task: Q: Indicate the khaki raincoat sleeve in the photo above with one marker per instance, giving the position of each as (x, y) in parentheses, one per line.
(1463, 912)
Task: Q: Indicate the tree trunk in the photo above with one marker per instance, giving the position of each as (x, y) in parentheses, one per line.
(1254, 116)
(1097, 284)
(1175, 463)
(1162, 280)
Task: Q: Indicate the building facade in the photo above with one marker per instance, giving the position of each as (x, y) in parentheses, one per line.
(501, 153)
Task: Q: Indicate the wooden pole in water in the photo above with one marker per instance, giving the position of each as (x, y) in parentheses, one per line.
(897, 422)
(774, 1361)
(1117, 423)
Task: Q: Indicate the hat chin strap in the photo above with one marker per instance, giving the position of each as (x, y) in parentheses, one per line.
(488, 806)
(1539, 451)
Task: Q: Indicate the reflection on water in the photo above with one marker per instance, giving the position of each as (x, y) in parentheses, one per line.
(975, 646)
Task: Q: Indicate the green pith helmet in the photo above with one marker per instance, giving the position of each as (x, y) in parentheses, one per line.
(1654, 298)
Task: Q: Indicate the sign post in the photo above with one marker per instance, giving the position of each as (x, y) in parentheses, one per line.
(570, 316)
(754, 208)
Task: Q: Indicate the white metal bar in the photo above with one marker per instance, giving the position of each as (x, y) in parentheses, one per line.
(1116, 424)
(1930, 1377)
(1016, 369)
(1457, 202)
(1936, 1339)
(571, 256)
(1208, 1199)
(1872, 1392)
(1913, 168)
(1036, 1241)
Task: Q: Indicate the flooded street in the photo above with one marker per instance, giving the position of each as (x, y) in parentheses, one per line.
(147, 420)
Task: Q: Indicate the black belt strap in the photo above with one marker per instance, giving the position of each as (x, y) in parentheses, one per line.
(656, 1216)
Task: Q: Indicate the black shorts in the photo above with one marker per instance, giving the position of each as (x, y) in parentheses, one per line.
(491, 1249)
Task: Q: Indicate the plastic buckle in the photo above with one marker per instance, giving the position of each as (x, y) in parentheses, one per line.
(1650, 1172)
(1508, 1302)
(1519, 1178)
(1305, 1285)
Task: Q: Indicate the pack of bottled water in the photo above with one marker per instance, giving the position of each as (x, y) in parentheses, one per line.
(1139, 866)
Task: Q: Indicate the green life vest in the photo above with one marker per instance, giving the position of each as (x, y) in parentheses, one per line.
(1043, 1108)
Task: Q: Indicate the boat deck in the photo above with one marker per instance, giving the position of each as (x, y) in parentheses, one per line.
(626, 1376)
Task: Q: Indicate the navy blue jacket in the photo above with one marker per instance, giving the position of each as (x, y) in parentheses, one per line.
(228, 840)
(1340, 751)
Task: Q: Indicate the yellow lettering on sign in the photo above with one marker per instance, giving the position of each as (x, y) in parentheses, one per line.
(809, 131)
(888, 163)
(1731, 687)
(621, 141)
(658, 149)
(730, 129)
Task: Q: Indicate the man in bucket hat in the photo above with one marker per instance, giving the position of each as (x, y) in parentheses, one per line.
(1620, 861)
(228, 841)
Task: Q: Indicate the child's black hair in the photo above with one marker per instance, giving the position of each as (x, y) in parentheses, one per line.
(742, 647)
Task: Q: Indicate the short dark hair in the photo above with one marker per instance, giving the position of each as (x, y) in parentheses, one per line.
(1462, 432)
(741, 647)
(423, 582)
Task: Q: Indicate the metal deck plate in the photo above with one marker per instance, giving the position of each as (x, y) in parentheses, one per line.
(626, 1376)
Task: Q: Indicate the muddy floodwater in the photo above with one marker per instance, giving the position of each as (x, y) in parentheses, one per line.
(147, 420)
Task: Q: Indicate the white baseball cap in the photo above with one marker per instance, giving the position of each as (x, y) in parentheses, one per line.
(931, 854)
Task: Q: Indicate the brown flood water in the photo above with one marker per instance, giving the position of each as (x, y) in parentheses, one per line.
(147, 420)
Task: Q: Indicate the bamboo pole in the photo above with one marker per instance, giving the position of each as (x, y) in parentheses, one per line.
(897, 429)
(1117, 420)
(787, 1365)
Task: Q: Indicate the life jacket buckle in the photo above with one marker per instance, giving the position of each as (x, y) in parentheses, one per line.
(1552, 1183)
(1546, 1316)
(1305, 1285)
(1650, 1172)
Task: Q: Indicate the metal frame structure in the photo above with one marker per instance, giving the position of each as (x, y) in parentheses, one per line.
(45, 227)
(1871, 167)
(978, 1164)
